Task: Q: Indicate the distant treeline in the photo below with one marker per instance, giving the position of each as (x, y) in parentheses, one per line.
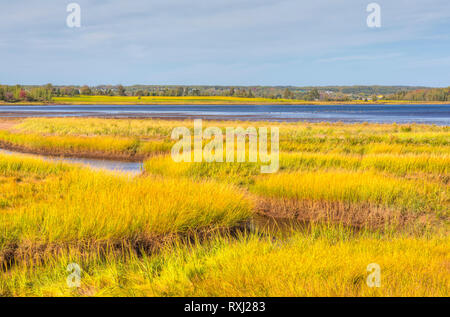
(31, 93)
(180, 91)
(324, 93)
(342, 93)
(434, 94)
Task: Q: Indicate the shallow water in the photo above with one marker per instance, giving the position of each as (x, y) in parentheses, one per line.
(427, 114)
(115, 166)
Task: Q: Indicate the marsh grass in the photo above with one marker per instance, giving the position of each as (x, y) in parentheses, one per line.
(319, 138)
(368, 193)
(406, 195)
(411, 166)
(86, 208)
(80, 146)
(324, 261)
(23, 166)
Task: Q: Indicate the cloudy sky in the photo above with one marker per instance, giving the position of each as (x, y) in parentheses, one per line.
(225, 42)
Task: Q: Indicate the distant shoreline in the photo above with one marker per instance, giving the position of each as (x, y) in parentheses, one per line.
(213, 100)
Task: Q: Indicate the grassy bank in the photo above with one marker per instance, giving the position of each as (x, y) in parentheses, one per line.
(124, 148)
(203, 100)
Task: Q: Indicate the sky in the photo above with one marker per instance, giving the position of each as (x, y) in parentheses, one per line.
(225, 42)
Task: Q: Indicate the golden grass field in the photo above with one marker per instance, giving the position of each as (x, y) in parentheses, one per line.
(202, 100)
(365, 193)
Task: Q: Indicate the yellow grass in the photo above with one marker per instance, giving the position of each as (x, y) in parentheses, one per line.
(219, 100)
(134, 236)
(357, 187)
(83, 207)
(102, 147)
(123, 100)
(323, 262)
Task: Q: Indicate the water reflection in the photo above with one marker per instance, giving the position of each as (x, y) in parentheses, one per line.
(427, 114)
(115, 166)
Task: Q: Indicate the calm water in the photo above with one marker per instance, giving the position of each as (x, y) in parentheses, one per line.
(430, 114)
(115, 166)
